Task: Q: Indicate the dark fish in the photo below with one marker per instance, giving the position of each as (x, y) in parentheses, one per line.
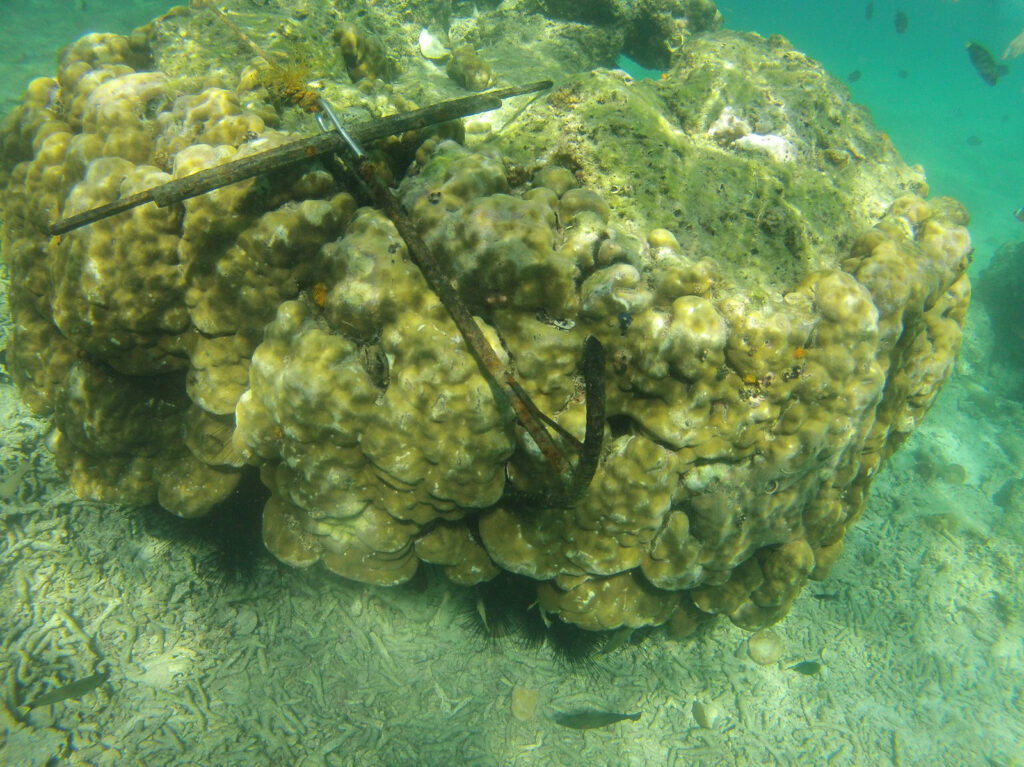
(824, 597)
(903, 74)
(807, 668)
(973, 141)
(869, 11)
(900, 21)
(985, 63)
(853, 77)
(75, 689)
(588, 720)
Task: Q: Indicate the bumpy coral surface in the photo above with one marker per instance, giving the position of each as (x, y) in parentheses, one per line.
(778, 301)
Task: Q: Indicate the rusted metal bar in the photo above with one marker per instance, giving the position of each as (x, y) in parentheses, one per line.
(527, 413)
(438, 281)
(92, 215)
(297, 151)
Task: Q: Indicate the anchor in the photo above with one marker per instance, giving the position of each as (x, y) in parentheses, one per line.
(335, 142)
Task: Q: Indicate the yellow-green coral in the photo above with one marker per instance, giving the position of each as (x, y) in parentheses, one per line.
(773, 329)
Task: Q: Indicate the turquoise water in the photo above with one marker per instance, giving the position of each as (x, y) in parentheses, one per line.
(913, 647)
(941, 103)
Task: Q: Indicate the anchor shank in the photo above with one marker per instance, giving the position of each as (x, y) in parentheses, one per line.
(294, 152)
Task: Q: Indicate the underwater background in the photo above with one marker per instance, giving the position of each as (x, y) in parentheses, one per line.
(911, 652)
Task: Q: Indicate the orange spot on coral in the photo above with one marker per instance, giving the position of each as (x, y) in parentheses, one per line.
(320, 295)
(800, 352)
(750, 379)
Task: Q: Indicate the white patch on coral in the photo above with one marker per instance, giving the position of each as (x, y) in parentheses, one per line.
(120, 97)
(728, 127)
(431, 47)
(315, 211)
(280, 235)
(776, 146)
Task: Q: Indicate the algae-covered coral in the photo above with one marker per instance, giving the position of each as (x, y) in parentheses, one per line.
(779, 303)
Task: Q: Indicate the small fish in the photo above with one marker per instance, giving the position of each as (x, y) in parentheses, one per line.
(973, 140)
(900, 21)
(985, 63)
(853, 77)
(807, 668)
(589, 720)
(825, 597)
(869, 11)
(903, 74)
(1019, 214)
(75, 689)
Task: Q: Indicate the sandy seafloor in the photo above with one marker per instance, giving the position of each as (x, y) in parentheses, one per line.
(922, 648)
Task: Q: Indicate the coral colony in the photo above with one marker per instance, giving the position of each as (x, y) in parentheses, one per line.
(716, 302)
